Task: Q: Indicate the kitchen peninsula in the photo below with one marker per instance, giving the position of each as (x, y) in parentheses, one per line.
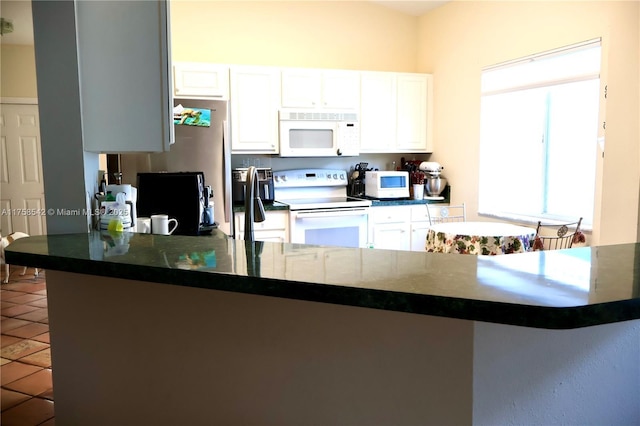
(198, 330)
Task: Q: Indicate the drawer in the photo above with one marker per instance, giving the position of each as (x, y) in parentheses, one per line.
(419, 213)
(395, 214)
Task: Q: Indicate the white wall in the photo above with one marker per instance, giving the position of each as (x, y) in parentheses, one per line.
(320, 34)
(588, 376)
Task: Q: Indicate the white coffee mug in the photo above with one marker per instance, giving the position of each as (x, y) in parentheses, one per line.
(160, 224)
(143, 225)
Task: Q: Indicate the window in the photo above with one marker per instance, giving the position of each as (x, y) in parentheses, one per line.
(539, 126)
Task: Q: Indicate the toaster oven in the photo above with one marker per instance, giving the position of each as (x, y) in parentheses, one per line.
(265, 185)
(386, 184)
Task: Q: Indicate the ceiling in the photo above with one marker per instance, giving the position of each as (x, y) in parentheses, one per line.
(19, 13)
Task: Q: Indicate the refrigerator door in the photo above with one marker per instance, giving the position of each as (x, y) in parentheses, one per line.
(206, 149)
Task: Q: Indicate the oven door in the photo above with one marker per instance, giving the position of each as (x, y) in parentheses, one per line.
(346, 227)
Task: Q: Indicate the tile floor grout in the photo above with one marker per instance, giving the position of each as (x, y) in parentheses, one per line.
(25, 379)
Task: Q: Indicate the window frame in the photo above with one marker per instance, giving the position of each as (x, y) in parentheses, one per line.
(495, 89)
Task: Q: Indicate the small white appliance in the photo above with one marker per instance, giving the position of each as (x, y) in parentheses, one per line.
(320, 212)
(318, 134)
(118, 210)
(434, 183)
(130, 196)
(387, 184)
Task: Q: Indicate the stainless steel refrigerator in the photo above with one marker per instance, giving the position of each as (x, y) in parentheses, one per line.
(197, 149)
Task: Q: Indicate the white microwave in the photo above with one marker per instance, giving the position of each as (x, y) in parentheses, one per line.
(318, 134)
(386, 184)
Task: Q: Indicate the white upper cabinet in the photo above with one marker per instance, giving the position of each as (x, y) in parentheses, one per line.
(255, 99)
(201, 80)
(395, 112)
(378, 111)
(322, 89)
(412, 108)
(125, 76)
(340, 89)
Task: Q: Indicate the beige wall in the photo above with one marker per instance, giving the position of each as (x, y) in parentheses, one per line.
(323, 34)
(453, 42)
(18, 72)
(457, 40)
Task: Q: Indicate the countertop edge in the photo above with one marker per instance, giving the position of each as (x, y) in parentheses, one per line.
(532, 316)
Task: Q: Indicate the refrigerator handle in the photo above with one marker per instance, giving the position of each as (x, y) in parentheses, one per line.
(226, 153)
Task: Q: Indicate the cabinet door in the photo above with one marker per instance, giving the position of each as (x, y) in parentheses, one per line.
(315, 88)
(391, 226)
(411, 132)
(391, 236)
(255, 97)
(201, 80)
(377, 112)
(419, 235)
(124, 76)
(274, 228)
(301, 88)
(340, 90)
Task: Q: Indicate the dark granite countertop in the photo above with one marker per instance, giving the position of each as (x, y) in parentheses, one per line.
(267, 207)
(374, 203)
(555, 290)
(404, 202)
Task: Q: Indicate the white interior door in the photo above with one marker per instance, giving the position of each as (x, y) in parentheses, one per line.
(22, 196)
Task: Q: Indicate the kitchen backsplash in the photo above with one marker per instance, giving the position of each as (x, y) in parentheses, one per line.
(131, 164)
(379, 161)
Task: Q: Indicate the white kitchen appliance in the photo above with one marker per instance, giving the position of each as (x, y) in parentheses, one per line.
(320, 212)
(386, 184)
(130, 196)
(434, 182)
(318, 134)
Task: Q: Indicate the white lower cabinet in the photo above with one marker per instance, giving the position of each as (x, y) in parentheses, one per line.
(275, 228)
(419, 227)
(399, 227)
(419, 235)
(391, 227)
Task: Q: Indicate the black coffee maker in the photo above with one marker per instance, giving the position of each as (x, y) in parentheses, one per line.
(180, 195)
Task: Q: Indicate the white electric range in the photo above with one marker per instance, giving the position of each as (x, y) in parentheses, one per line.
(320, 212)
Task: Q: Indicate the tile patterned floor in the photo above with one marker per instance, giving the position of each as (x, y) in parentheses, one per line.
(25, 368)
